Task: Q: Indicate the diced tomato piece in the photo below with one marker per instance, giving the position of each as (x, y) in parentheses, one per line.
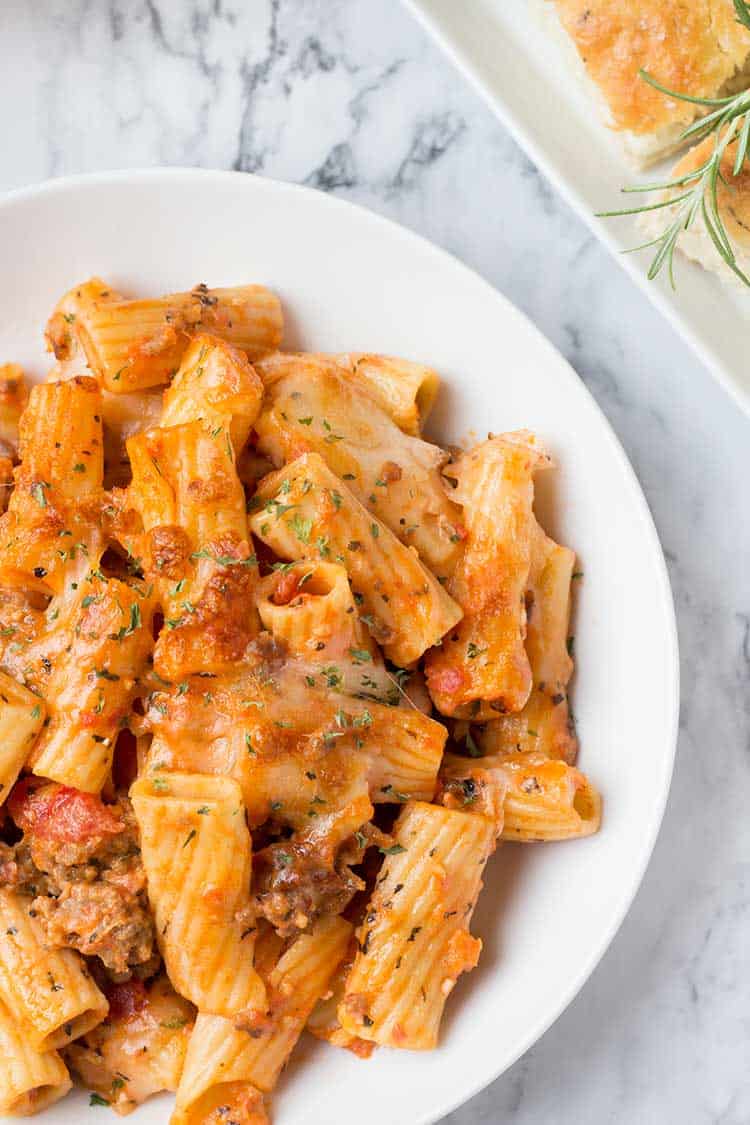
(126, 998)
(286, 588)
(57, 812)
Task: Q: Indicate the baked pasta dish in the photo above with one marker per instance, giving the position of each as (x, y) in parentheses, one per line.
(277, 675)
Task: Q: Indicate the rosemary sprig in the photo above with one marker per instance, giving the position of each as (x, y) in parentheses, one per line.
(695, 195)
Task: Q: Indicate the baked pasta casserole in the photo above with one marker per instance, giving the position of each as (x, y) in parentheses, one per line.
(277, 675)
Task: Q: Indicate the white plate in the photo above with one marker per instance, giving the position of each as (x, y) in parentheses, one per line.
(506, 50)
(352, 281)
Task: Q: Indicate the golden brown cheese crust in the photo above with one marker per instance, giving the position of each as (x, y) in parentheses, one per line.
(692, 46)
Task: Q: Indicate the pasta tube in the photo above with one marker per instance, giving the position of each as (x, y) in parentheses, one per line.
(195, 548)
(415, 941)
(68, 459)
(482, 668)
(21, 718)
(60, 332)
(30, 1080)
(48, 992)
(309, 607)
(124, 416)
(215, 383)
(54, 510)
(324, 1023)
(316, 407)
(197, 851)
(306, 512)
(542, 798)
(139, 1049)
(130, 345)
(298, 751)
(87, 666)
(545, 725)
(547, 800)
(405, 390)
(227, 1066)
(185, 476)
(14, 395)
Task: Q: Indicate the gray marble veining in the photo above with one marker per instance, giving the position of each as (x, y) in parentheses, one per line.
(351, 97)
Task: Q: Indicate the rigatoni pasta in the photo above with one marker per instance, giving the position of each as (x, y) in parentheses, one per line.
(30, 1080)
(545, 725)
(306, 512)
(414, 941)
(153, 1032)
(130, 345)
(313, 405)
(215, 384)
(197, 855)
(88, 662)
(406, 390)
(193, 544)
(229, 1065)
(13, 398)
(277, 674)
(49, 992)
(22, 716)
(481, 668)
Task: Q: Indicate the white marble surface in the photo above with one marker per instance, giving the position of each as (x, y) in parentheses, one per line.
(351, 97)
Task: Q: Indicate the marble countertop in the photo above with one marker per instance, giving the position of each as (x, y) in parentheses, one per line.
(351, 97)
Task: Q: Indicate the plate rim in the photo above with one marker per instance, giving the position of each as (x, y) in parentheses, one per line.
(421, 11)
(63, 184)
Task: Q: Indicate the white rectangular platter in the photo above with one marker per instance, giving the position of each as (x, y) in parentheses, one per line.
(508, 50)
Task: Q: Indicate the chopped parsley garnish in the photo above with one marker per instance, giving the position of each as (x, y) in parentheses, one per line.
(331, 675)
(37, 491)
(105, 674)
(301, 527)
(135, 623)
(391, 792)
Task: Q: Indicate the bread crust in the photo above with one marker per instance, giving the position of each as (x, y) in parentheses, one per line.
(733, 192)
(695, 46)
